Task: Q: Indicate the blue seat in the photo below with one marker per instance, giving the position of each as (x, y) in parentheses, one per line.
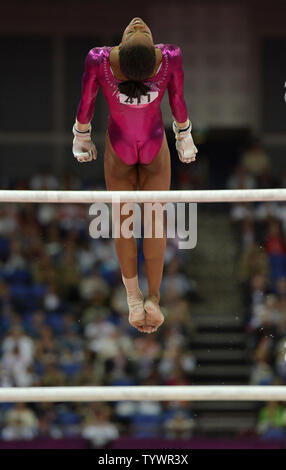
(55, 321)
(19, 291)
(21, 276)
(38, 290)
(4, 248)
(145, 425)
(71, 369)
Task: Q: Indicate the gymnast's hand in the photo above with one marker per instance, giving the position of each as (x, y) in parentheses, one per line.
(83, 148)
(184, 143)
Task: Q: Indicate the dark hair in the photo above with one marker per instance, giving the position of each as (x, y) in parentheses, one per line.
(137, 62)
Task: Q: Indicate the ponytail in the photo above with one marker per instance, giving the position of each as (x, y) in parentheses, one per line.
(133, 88)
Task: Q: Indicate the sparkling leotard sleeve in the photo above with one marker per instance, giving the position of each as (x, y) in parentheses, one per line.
(89, 89)
(176, 88)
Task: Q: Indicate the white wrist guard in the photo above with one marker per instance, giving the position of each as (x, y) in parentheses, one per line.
(181, 133)
(184, 143)
(83, 149)
(81, 134)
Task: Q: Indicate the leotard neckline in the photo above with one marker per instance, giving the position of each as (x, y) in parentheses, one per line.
(155, 77)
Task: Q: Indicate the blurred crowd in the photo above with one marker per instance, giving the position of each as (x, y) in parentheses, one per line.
(260, 229)
(64, 322)
(64, 316)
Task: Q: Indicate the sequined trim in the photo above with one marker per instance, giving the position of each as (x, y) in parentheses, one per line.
(106, 74)
(164, 72)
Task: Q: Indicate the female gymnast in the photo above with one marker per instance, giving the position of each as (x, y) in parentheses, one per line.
(133, 77)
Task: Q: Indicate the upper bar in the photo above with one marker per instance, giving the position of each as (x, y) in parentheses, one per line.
(89, 197)
(143, 393)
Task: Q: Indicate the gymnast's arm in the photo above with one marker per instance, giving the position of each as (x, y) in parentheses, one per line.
(83, 148)
(182, 126)
(176, 90)
(89, 90)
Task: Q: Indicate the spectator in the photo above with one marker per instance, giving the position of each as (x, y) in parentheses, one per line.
(275, 247)
(241, 179)
(261, 374)
(179, 426)
(253, 261)
(255, 160)
(20, 423)
(44, 180)
(98, 429)
(280, 359)
(272, 421)
(18, 341)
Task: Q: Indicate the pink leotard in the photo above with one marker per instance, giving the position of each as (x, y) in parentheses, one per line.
(135, 127)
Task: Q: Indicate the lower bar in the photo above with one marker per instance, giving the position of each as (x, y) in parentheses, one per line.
(143, 393)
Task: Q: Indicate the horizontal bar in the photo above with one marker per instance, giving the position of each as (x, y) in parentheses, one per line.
(143, 393)
(89, 197)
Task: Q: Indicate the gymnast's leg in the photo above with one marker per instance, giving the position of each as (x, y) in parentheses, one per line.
(122, 177)
(155, 176)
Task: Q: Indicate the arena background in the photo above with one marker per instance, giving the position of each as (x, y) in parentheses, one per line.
(63, 314)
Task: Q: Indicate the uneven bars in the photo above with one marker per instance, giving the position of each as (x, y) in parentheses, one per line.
(84, 197)
(143, 393)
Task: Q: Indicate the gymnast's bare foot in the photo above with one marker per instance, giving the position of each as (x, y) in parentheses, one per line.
(135, 301)
(154, 317)
(137, 312)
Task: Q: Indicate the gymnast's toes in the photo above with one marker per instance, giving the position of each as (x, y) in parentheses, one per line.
(154, 316)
